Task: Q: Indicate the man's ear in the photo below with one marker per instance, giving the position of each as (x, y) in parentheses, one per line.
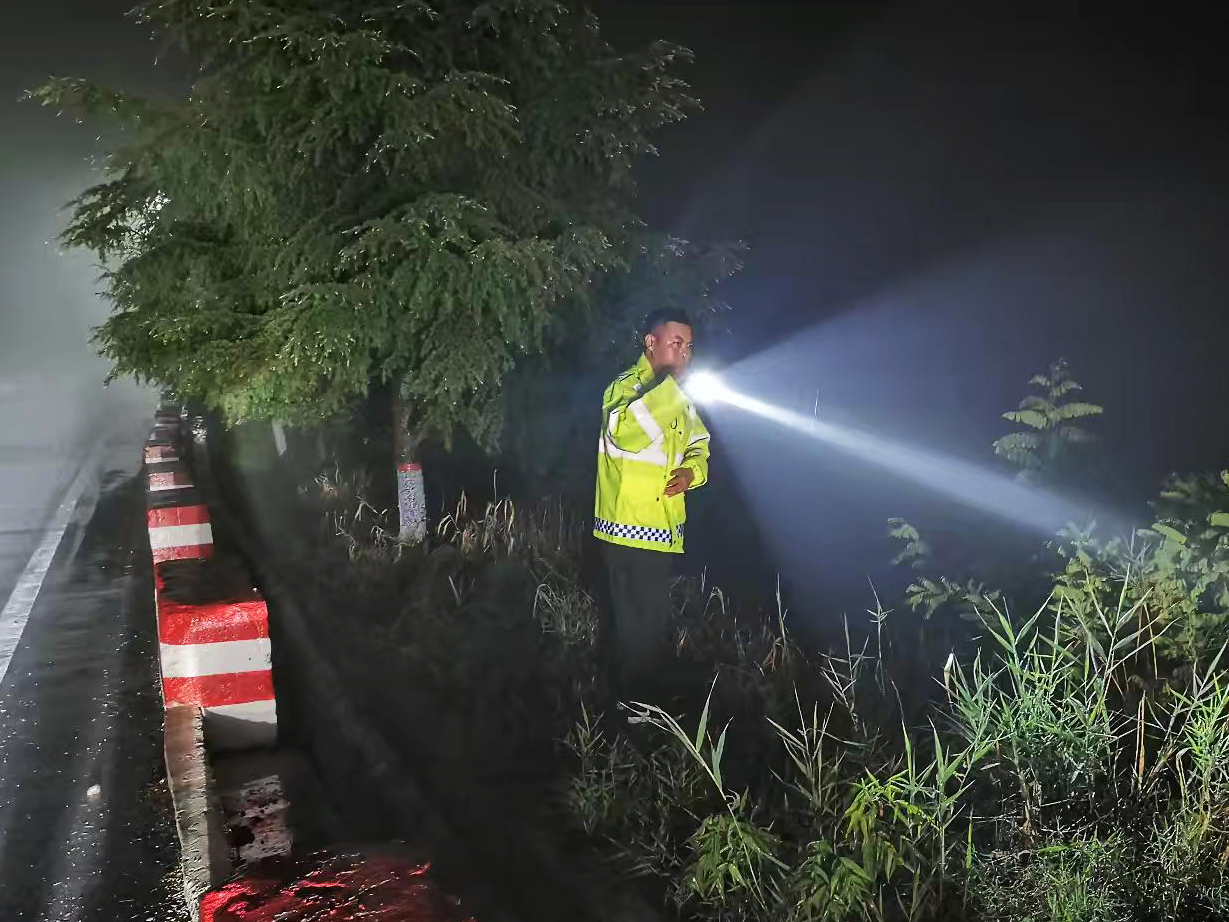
(649, 342)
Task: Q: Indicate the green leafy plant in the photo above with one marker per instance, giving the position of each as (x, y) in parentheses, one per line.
(1051, 439)
(1076, 880)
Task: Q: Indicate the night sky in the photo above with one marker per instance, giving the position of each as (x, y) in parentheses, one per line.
(940, 199)
(957, 196)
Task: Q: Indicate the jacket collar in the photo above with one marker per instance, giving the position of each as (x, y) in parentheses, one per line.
(643, 370)
(644, 374)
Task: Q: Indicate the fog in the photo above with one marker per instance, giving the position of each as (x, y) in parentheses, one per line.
(54, 411)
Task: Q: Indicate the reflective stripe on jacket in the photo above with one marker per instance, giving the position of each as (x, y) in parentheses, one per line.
(648, 430)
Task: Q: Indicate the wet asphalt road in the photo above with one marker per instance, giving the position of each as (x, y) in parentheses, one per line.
(85, 827)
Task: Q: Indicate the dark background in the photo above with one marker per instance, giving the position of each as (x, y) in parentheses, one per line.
(940, 199)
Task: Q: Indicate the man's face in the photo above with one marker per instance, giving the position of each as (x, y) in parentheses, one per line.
(669, 347)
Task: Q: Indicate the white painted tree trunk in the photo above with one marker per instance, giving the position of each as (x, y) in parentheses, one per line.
(411, 496)
(279, 438)
(411, 503)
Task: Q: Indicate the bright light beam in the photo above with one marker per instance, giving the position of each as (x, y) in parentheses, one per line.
(967, 483)
(705, 387)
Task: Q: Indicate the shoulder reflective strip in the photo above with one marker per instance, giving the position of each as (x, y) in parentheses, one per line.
(702, 437)
(645, 417)
(614, 417)
(193, 659)
(651, 455)
(633, 532)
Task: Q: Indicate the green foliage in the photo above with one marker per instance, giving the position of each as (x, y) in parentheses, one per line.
(827, 887)
(1063, 881)
(916, 552)
(972, 600)
(593, 790)
(414, 192)
(734, 861)
(1064, 777)
(1050, 441)
(1177, 571)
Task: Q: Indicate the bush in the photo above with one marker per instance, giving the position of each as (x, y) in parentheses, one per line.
(1061, 777)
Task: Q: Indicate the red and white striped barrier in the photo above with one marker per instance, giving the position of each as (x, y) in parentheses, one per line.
(213, 627)
(173, 478)
(156, 453)
(180, 533)
(217, 678)
(217, 657)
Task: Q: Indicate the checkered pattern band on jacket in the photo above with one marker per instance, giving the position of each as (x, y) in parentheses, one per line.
(635, 532)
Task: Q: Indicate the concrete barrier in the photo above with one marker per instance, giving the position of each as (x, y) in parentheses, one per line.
(168, 475)
(160, 451)
(180, 532)
(215, 661)
(213, 625)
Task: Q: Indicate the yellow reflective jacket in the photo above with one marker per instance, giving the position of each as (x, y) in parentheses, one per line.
(647, 431)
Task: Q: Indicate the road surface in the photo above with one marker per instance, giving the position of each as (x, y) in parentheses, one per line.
(85, 830)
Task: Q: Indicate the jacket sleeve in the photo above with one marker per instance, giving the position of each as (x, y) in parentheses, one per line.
(695, 457)
(634, 418)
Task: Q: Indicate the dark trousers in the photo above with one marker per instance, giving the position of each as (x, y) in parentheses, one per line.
(640, 617)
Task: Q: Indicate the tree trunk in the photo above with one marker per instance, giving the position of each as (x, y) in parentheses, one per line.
(411, 498)
(279, 438)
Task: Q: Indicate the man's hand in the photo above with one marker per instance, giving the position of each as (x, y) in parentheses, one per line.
(680, 480)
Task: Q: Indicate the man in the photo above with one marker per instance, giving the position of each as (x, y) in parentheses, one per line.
(653, 449)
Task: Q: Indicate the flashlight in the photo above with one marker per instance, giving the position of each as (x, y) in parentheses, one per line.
(705, 387)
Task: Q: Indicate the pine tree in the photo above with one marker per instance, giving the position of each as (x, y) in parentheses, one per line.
(410, 193)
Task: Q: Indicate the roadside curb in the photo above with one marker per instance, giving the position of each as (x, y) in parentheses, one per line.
(202, 840)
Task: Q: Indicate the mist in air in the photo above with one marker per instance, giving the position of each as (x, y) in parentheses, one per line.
(53, 407)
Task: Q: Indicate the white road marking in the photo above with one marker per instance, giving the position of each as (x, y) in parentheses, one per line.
(21, 601)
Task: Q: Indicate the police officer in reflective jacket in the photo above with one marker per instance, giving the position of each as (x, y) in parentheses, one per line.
(653, 449)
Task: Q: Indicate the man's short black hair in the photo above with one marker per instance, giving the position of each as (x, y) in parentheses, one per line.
(663, 315)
